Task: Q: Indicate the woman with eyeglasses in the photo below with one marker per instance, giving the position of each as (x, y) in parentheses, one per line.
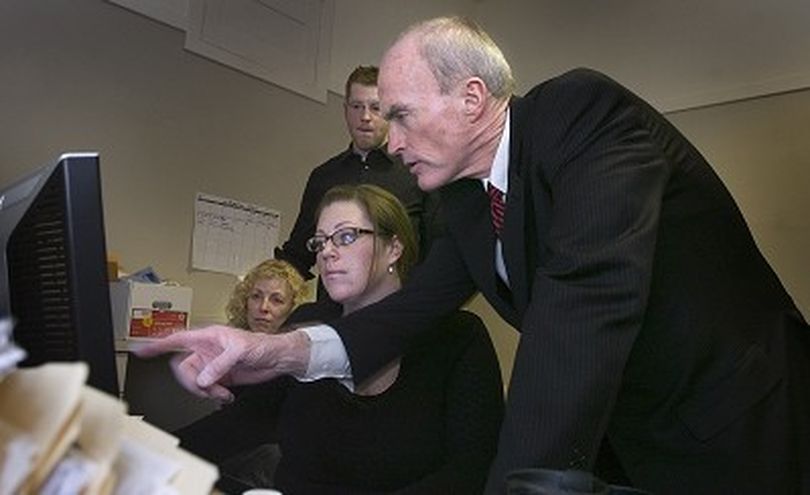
(428, 422)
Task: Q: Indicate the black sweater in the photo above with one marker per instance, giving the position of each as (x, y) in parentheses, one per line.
(434, 430)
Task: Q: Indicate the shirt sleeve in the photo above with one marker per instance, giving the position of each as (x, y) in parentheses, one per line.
(327, 357)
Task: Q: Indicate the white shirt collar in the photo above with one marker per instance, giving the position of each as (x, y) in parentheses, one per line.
(499, 173)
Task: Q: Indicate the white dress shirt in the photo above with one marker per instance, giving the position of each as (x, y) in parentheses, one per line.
(499, 177)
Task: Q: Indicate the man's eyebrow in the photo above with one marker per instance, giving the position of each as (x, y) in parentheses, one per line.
(395, 109)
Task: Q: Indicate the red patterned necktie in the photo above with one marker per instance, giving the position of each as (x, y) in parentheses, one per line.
(496, 207)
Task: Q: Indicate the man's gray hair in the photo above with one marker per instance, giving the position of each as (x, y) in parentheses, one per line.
(456, 48)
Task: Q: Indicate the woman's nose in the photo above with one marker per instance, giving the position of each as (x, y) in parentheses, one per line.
(329, 250)
(265, 305)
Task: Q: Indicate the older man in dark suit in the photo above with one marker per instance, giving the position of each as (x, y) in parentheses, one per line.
(651, 325)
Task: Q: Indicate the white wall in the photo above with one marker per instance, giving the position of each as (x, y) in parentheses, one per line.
(761, 149)
(88, 75)
(679, 54)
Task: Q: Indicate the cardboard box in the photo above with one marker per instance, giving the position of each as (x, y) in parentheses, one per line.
(142, 310)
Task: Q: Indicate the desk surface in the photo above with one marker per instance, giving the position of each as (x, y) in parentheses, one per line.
(150, 389)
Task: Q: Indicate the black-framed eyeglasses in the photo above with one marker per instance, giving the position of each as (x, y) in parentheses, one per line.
(341, 237)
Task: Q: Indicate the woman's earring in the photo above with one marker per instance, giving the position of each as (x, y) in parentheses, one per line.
(390, 268)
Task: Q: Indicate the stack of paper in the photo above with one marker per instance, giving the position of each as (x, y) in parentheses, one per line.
(59, 436)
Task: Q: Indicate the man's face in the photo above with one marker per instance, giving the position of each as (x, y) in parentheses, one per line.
(427, 129)
(362, 112)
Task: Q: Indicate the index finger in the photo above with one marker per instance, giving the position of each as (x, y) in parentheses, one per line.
(186, 370)
(220, 366)
(175, 342)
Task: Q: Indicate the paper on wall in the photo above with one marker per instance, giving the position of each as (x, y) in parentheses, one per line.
(232, 236)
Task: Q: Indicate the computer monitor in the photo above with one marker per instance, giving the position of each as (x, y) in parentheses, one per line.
(53, 276)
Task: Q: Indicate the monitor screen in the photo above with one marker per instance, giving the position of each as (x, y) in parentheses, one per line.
(53, 277)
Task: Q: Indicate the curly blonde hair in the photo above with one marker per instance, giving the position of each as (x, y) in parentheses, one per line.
(236, 310)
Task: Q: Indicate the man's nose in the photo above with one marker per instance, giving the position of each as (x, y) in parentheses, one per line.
(396, 141)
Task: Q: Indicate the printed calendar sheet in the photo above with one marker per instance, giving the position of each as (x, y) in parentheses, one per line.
(232, 236)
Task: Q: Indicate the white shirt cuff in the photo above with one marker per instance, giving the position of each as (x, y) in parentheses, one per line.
(327, 356)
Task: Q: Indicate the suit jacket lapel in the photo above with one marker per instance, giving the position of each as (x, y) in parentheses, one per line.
(468, 220)
(518, 230)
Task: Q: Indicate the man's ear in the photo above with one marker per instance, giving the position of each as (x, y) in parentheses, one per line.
(475, 96)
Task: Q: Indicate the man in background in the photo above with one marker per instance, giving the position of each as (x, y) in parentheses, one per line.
(365, 161)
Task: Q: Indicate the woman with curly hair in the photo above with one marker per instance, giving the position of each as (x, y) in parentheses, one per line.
(261, 302)
(268, 293)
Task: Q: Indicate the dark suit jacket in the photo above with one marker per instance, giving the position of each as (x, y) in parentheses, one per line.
(648, 315)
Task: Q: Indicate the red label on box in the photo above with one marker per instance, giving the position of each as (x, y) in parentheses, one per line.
(152, 323)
